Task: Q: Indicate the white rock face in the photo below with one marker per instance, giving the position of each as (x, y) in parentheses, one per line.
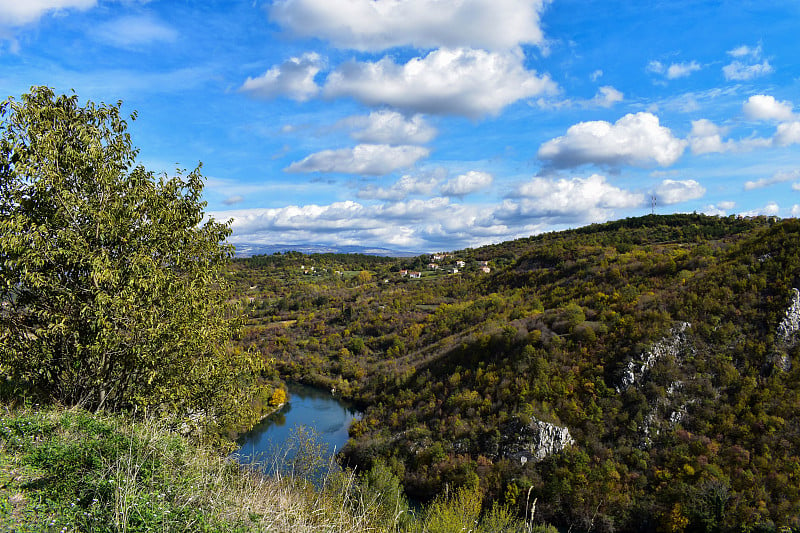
(535, 441)
(671, 345)
(790, 325)
(550, 439)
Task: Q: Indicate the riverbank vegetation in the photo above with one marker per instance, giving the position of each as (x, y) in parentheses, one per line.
(662, 344)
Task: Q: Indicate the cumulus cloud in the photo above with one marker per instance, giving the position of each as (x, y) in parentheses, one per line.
(771, 209)
(579, 200)
(458, 81)
(635, 139)
(706, 138)
(472, 181)
(403, 188)
(747, 65)
(787, 133)
(391, 127)
(676, 191)
(431, 224)
(134, 31)
(766, 107)
(21, 12)
(293, 78)
(434, 223)
(365, 159)
(778, 177)
(373, 25)
(673, 71)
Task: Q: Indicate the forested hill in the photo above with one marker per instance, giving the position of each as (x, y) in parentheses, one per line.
(638, 375)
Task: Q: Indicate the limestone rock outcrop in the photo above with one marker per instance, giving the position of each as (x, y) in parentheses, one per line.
(670, 345)
(534, 440)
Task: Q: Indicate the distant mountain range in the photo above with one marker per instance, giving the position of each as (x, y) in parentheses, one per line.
(251, 249)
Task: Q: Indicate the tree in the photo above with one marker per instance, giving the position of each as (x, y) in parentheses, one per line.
(111, 283)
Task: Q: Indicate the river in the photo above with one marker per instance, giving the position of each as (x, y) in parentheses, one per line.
(308, 406)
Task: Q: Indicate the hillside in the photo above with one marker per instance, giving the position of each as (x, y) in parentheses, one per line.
(631, 376)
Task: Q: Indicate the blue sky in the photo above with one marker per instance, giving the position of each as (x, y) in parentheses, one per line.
(427, 125)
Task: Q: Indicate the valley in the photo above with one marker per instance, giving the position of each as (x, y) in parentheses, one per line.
(630, 376)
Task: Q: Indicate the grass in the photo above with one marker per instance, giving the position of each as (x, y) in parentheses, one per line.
(72, 471)
(68, 471)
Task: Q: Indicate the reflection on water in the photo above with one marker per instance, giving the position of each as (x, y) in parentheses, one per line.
(308, 406)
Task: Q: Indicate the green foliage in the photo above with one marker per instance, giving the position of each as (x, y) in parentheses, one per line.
(72, 471)
(111, 283)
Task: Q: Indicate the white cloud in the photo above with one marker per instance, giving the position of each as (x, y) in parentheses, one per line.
(135, 30)
(706, 137)
(796, 210)
(596, 75)
(778, 177)
(656, 67)
(607, 96)
(432, 224)
(582, 200)
(403, 188)
(21, 12)
(232, 200)
(721, 209)
(472, 181)
(787, 133)
(673, 71)
(682, 70)
(765, 107)
(739, 70)
(367, 159)
(796, 186)
(447, 81)
(294, 78)
(676, 191)
(635, 139)
(744, 51)
(771, 209)
(391, 127)
(373, 25)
